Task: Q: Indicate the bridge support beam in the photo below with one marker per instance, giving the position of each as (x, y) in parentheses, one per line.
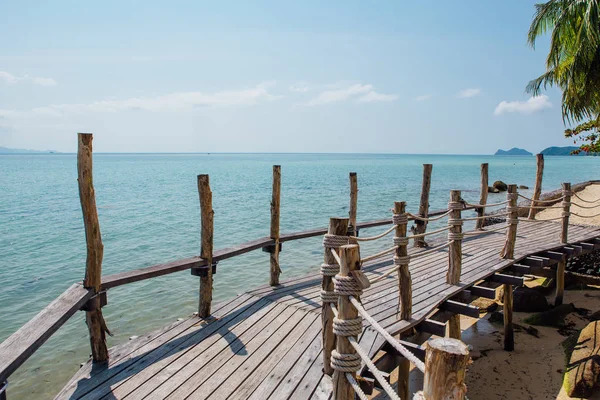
(562, 265)
(508, 252)
(454, 254)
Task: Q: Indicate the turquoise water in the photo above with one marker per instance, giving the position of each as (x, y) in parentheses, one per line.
(149, 214)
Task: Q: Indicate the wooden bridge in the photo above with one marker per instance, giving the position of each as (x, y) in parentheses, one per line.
(277, 341)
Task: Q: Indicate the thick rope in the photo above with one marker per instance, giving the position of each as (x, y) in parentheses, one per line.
(328, 297)
(452, 236)
(512, 196)
(348, 362)
(487, 205)
(346, 286)
(347, 327)
(486, 217)
(429, 219)
(400, 241)
(400, 219)
(356, 387)
(585, 201)
(455, 221)
(390, 339)
(329, 269)
(539, 207)
(428, 233)
(378, 255)
(456, 205)
(334, 241)
(336, 256)
(366, 239)
(539, 220)
(581, 206)
(542, 201)
(585, 216)
(376, 373)
(401, 260)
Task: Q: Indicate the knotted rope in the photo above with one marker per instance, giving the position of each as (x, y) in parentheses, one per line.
(542, 201)
(512, 196)
(585, 201)
(348, 362)
(428, 219)
(357, 389)
(455, 236)
(456, 205)
(346, 286)
(401, 260)
(347, 327)
(400, 219)
(334, 241)
(486, 205)
(400, 241)
(366, 239)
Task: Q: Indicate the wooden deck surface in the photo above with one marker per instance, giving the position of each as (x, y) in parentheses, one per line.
(266, 343)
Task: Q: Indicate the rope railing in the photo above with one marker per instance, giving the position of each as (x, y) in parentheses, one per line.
(367, 239)
(585, 201)
(550, 201)
(585, 216)
(378, 255)
(486, 205)
(429, 219)
(582, 206)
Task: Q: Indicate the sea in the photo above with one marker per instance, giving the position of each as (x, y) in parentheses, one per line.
(149, 213)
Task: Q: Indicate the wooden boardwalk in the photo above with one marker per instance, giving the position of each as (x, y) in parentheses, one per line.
(266, 343)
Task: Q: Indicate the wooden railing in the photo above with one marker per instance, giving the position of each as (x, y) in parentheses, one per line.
(90, 296)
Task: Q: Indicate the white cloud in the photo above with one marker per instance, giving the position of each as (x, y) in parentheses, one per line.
(11, 79)
(364, 93)
(467, 93)
(421, 98)
(299, 87)
(173, 102)
(533, 105)
(373, 96)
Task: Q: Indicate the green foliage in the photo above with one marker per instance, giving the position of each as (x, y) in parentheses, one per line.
(573, 62)
(587, 132)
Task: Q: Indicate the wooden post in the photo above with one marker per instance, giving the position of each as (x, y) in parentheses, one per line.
(95, 249)
(483, 195)
(350, 261)
(509, 252)
(454, 255)
(3, 388)
(337, 226)
(353, 203)
(206, 247)
(446, 363)
(275, 204)
(421, 226)
(404, 291)
(564, 237)
(511, 234)
(537, 190)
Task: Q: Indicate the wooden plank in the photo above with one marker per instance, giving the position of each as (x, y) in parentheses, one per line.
(507, 279)
(162, 377)
(460, 308)
(19, 346)
(520, 269)
(481, 291)
(431, 326)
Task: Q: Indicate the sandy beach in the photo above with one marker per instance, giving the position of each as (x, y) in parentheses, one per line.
(590, 193)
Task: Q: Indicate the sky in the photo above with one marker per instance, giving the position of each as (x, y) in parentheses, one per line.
(428, 77)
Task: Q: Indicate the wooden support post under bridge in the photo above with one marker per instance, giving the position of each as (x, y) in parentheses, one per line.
(564, 237)
(454, 255)
(95, 249)
(508, 252)
(483, 195)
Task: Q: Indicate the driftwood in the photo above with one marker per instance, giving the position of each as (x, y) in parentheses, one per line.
(95, 249)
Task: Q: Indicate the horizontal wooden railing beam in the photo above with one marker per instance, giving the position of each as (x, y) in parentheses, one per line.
(19, 346)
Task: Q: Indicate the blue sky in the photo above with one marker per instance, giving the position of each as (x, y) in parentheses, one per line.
(273, 76)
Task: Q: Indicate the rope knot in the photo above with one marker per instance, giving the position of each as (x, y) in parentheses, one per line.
(512, 221)
(349, 362)
(456, 205)
(347, 327)
(512, 196)
(400, 219)
(512, 209)
(346, 286)
(401, 260)
(565, 204)
(455, 221)
(567, 193)
(328, 297)
(455, 236)
(400, 241)
(334, 241)
(565, 214)
(329, 269)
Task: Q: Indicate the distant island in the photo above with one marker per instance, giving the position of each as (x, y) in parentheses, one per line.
(6, 150)
(515, 151)
(562, 151)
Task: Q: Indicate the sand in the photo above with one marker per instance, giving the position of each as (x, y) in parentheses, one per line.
(590, 193)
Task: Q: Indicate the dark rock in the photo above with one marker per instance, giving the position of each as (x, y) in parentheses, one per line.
(496, 318)
(529, 300)
(595, 316)
(492, 189)
(523, 187)
(554, 317)
(501, 186)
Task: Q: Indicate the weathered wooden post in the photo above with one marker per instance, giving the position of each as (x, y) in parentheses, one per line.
(455, 235)
(537, 189)
(337, 227)
(206, 247)
(345, 359)
(421, 226)
(564, 235)
(95, 249)
(483, 195)
(402, 259)
(509, 252)
(353, 204)
(446, 362)
(275, 207)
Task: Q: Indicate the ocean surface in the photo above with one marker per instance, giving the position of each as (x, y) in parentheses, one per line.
(149, 214)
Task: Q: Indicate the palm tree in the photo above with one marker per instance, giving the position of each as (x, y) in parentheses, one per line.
(573, 62)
